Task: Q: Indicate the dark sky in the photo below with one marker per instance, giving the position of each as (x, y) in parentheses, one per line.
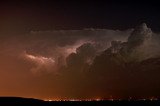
(29, 15)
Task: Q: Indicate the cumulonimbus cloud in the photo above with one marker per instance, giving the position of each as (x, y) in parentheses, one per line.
(90, 62)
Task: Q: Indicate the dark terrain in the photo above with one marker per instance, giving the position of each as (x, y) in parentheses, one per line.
(18, 101)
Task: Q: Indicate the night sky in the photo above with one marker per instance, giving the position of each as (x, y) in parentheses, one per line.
(65, 49)
(29, 15)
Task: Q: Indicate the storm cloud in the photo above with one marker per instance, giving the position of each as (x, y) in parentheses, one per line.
(88, 63)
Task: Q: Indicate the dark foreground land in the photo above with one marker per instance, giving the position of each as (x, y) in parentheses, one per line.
(17, 101)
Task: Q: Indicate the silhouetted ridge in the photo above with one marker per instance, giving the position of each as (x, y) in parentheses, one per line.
(20, 101)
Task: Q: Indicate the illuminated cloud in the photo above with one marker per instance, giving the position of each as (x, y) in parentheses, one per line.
(40, 59)
(41, 63)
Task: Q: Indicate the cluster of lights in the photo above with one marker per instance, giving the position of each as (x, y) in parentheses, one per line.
(50, 100)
